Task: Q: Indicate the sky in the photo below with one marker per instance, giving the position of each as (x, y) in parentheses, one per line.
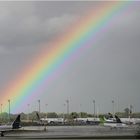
(109, 71)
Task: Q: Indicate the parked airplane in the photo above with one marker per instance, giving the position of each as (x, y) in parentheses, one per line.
(127, 121)
(88, 120)
(110, 118)
(113, 123)
(130, 120)
(49, 120)
(12, 127)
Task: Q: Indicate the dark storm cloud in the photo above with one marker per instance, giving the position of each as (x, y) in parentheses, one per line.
(111, 71)
(27, 24)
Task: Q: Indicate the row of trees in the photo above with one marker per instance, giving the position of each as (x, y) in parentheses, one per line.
(4, 117)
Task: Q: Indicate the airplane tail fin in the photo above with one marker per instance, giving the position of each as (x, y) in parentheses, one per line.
(16, 123)
(118, 120)
(102, 119)
(110, 115)
(38, 117)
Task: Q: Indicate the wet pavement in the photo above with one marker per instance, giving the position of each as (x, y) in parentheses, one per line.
(73, 132)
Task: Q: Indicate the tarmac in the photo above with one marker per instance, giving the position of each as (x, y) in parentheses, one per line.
(73, 132)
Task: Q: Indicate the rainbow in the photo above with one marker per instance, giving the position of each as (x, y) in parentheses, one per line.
(34, 79)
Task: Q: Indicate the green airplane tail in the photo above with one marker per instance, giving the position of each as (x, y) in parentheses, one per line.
(102, 119)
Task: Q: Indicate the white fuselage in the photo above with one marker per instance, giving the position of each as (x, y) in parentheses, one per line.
(5, 127)
(115, 125)
(87, 119)
(54, 120)
(130, 120)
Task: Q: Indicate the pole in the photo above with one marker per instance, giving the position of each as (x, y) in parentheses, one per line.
(39, 106)
(28, 112)
(130, 111)
(46, 110)
(1, 112)
(1, 108)
(113, 107)
(64, 113)
(94, 108)
(67, 101)
(9, 109)
(80, 111)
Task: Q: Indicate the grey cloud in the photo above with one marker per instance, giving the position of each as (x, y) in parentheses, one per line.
(108, 70)
(23, 27)
(4, 50)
